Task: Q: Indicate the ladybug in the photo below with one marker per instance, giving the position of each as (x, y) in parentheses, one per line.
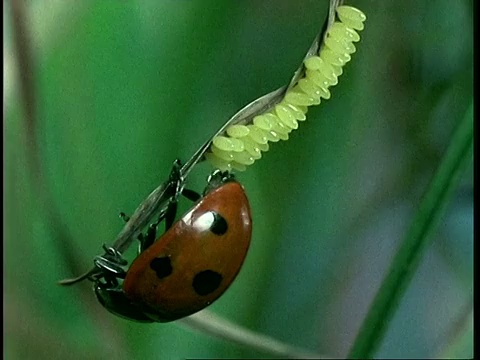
(187, 268)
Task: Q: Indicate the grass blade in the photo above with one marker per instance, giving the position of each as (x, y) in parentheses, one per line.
(411, 250)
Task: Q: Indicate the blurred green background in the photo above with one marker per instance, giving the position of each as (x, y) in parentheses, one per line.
(124, 87)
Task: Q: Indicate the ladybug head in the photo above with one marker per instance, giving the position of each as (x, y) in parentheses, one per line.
(217, 179)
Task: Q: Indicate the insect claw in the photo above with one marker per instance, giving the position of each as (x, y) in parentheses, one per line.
(124, 216)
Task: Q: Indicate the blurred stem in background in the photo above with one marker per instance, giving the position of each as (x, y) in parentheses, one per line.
(459, 155)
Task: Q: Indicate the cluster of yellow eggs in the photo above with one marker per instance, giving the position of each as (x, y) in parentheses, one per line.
(242, 145)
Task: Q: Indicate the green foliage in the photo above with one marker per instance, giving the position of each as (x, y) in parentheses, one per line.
(412, 249)
(123, 88)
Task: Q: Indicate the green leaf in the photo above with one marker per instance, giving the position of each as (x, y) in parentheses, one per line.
(407, 258)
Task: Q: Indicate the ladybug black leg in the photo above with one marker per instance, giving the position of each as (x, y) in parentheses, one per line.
(191, 195)
(109, 290)
(145, 240)
(114, 300)
(141, 237)
(141, 243)
(148, 238)
(112, 264)
(176, 189)
(124, 216)
(170, 215)
(175, 173)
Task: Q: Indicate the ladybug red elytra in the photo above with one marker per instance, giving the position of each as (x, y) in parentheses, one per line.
(191, 265)
(196, 260)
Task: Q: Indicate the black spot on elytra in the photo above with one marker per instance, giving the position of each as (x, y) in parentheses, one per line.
(162, 266)
(206, 282)
(219, 225)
